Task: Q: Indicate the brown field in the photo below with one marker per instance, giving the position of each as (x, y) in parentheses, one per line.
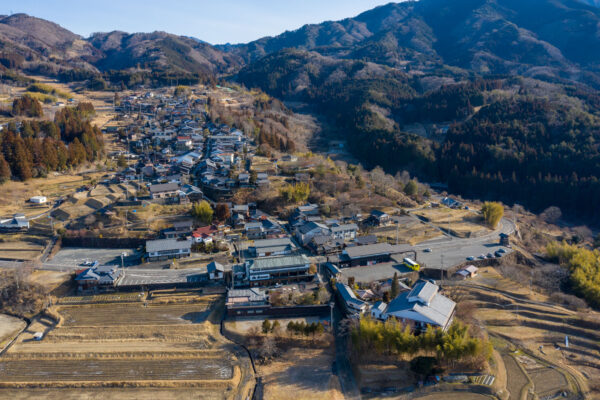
(410, 231)
(15, 194)
(527, 327)
(461, 223)
(9, 326)
(128, 345)
(454, 396)
(301, 374)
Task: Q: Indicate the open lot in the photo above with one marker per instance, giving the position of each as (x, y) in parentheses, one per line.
(74, 256)
(460, 223)
(408, 230)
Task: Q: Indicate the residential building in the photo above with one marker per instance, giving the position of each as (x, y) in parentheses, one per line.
(304, 233)
(352, 305)
(272, 247)
(423, 305)
(215, 271)
(246, 302)
(270, 270)
(164, 190)
(98, 277)
(164, 249)
(344, 232)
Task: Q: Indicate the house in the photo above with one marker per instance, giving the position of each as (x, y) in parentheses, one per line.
(270, 270)
(253, 230)
(204, 234)
(423, 305)
(164, 190)
(378, 310)
(17, 223)
(344, 232)
(272, 247)
(469, 271)
(365, 240)
(164, 249)
(366, 255)
(325, 244)
(95, 277)
(352, 305)
(304, 233)
(332, 271)
(378, 218)
(215, 271)
(262, 179)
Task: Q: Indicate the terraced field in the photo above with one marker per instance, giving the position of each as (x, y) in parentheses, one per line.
(117, 370)
(125, 345)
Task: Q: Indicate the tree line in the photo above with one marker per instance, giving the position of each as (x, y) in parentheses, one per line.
(36, 147)
(370, 337)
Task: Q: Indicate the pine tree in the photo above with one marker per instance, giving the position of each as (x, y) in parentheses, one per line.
(4, 169)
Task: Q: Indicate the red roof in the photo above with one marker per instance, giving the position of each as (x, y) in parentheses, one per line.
(205, 231)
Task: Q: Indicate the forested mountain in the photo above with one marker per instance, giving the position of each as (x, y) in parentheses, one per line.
(503, 93)
(558, 38)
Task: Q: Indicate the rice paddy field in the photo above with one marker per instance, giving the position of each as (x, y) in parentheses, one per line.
(166, 350)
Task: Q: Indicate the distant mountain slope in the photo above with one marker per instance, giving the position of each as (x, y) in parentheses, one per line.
(558, 38)
(40, 46)
(160, 50)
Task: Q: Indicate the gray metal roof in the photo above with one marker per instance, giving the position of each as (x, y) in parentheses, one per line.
(153, 246)
(369, 250)
(348, 295)
(259, 244)
(270, 263)
(343, 228)
(164, 187)
(437, 312)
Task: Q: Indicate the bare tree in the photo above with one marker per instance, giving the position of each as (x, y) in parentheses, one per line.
(268, 349)
(551, 214)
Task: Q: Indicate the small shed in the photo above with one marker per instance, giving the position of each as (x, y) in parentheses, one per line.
(38, 200)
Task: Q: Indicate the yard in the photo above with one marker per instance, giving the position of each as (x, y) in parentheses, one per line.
(9, 326)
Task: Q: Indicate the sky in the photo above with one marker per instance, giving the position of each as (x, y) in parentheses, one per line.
(214, 21)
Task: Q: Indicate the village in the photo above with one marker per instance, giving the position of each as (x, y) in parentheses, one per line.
(194, 209)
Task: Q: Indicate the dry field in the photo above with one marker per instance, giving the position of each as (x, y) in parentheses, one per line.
(9, 326)
(461, 223)
(409, 231)
(15, 194)
(301, 374)
(171, 351)
(527, 326)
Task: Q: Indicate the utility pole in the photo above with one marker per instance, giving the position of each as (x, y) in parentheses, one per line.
(442, 256)
(331, 305)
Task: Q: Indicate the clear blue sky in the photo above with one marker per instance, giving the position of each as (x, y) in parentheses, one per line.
(215, 21)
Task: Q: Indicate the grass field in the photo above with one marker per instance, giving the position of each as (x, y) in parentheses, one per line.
(461, 223)
(128, 345)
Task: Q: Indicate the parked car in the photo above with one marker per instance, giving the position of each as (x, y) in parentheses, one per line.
(498, 254)
(482, 256)
(490, 255)
(90, 263)
(427, 250)
(470, 258)
(501, 251)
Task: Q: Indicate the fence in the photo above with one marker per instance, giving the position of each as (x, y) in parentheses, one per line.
(107, 243)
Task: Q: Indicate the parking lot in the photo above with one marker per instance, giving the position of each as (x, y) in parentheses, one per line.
(75, 256)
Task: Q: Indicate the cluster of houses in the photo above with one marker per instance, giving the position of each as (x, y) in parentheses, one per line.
(178, 154)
